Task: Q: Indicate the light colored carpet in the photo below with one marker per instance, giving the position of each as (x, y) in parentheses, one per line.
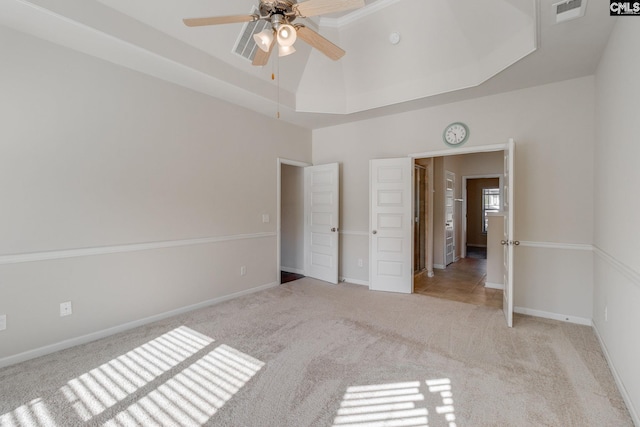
(311, 354)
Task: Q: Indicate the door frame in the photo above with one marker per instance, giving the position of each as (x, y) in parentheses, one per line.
(463, 241)
(506, 148)
(422, 199)
(282, 161)
(455, 152)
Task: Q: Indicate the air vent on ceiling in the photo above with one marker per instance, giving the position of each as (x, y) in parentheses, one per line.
(569, 9)
(246, 46)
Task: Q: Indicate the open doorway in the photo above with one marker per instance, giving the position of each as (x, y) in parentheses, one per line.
(308, 220)
(481, 198)
(290, 220)
(459, 273)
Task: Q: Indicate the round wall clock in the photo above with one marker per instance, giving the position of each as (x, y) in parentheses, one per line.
(455, 134)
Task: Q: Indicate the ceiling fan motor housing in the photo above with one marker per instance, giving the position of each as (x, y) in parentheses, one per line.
(278, 7)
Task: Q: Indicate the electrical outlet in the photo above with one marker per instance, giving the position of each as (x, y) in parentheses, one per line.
(65, 309)
(360, 262)
(3, 322)
(606, 314)
(265, 218)
(243, 270)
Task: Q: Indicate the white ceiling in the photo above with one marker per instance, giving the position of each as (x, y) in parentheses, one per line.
(449, 51)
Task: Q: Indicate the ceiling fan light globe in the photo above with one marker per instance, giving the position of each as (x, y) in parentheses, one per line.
(264, 39)
(285, 50)
(286, 35)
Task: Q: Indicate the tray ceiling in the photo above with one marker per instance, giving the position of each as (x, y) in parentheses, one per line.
(449, 50)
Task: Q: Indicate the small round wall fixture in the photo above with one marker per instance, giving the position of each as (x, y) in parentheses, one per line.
(394, 38)
(455, 134)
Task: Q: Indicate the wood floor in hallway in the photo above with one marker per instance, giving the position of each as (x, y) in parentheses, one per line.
(462, 281)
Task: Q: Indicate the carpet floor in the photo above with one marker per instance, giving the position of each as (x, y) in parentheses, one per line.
(311, 354)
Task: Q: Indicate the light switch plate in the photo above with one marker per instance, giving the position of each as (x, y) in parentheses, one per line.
(3, 322)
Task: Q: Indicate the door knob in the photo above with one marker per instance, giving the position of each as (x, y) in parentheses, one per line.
(503, 242)
(517, 243)
(375, 232)
(333, 230)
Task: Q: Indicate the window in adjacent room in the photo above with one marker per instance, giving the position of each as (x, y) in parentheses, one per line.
(490, 203)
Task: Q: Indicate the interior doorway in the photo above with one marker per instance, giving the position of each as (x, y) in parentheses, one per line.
(481, 197)
(290, 220)
(458, 274)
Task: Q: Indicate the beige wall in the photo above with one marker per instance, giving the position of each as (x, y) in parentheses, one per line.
(550, 124)
(617, 203)
(95, 155)
(475, 236)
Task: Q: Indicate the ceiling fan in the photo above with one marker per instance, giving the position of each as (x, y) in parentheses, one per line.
(281, 14)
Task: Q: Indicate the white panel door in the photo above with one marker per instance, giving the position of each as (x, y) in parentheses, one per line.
(449, 218)
(321, 222)
(508, 241)
(390, 240)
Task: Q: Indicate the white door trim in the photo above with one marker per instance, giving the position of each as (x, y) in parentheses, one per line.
(282, 161)
(461, 150)
(463, 242)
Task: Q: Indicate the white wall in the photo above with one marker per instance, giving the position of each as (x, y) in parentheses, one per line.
(96, 156)
(292, 219)
(553, 126)
(617, 203)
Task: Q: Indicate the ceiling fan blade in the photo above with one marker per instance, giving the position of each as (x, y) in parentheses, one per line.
(262, 57)
(321, 7)
(319, 42)
(216, 20)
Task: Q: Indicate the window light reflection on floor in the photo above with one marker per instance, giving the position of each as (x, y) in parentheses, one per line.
(99, 389)
(394, 405)
(34, 413)
(443, 386)
(382, 405)
(187, 398)
(195, 394)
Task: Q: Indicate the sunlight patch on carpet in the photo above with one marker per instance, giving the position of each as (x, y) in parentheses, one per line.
(443, 386)
(188, 398)
(34, 413)
(101, 388)
(195, 394)
(383, 405)
(401, 404)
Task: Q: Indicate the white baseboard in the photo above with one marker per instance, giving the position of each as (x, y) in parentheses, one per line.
(354, 281)
(618, 380)
(439, 266)
(553, 316)
(292, 270)
(72, 342)
(494, 286)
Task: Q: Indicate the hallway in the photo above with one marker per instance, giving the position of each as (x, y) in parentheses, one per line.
(462, 281)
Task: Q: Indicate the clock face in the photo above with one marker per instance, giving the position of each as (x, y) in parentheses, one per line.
(456, 134)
